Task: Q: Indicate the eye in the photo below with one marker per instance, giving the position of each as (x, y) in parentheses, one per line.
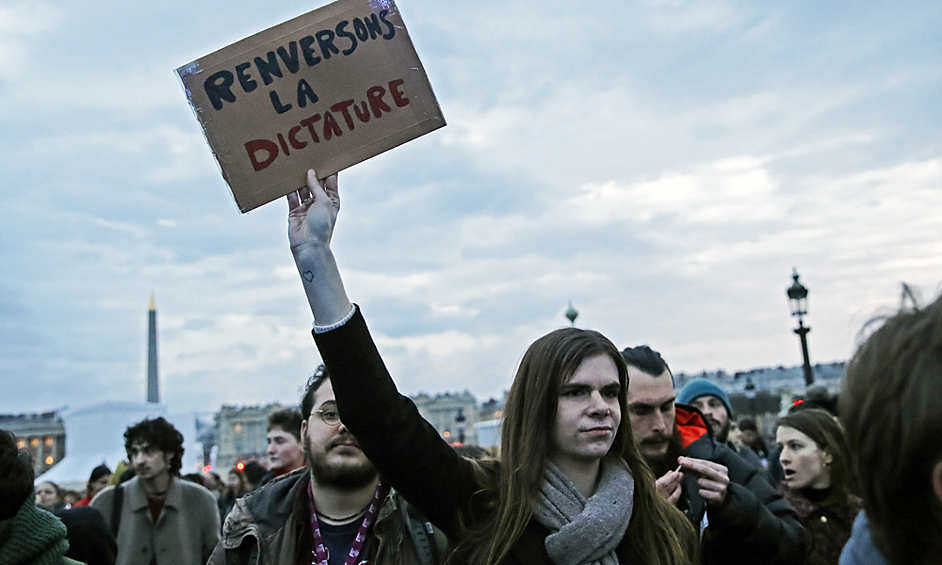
(330, 414)
(573, 392)
(611, 392)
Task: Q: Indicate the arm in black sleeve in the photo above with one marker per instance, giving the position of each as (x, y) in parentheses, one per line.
(407, 450)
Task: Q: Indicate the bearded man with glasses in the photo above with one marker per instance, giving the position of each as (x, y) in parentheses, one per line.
(334, 511)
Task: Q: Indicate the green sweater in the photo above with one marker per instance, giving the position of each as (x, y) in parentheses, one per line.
(33, 537)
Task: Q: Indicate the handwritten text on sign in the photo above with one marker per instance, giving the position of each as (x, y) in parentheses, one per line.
(325, 90)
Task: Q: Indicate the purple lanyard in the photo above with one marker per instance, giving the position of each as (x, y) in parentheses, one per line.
(319, 553)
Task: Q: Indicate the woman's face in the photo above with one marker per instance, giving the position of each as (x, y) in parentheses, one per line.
(805, 464)
(588, 413)
(46, 495)
(99, 484)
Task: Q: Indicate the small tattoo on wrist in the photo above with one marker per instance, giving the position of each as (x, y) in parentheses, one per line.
(308, 276)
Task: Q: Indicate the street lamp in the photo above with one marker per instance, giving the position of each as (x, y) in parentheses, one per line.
(798, 302)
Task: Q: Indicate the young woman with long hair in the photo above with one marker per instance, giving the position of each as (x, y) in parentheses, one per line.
(571, 486)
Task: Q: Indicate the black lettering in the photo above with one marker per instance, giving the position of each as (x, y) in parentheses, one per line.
(375, 96)
(325, 40)
(268, 68)
(245, 79)
(309, 124)
(256, 145)
(290, 56)
(276, 103)
(307, 50)
(397, 95)
(219, 87)
(359, 28)
(364, 114)
(392, 29)
(372, 24)
(342, 108)
(305, 93)
(343, 33)
(331, 127)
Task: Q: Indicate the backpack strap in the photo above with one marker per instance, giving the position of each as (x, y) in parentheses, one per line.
(116, 505)
(421, 532)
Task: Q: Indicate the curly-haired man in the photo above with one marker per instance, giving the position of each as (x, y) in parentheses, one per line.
(158, 518)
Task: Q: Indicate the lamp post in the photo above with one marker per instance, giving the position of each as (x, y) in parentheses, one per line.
(798, 302)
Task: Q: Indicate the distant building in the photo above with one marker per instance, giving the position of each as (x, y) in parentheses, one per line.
(452, 414)
(240, 434)
(42, 434)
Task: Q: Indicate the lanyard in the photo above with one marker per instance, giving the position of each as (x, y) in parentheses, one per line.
(319, 553)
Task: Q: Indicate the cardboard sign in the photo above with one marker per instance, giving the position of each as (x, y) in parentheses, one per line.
(327, 90)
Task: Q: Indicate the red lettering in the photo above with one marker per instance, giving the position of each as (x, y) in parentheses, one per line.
(263, 152)
(331, 127)
(342, 108)
(375, 96)
(397, 95)
(281, 140)
(364, 114)
(294, 141)
(256, 145)
(309, 124)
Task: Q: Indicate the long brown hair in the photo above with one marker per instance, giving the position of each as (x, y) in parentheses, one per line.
(660, 533)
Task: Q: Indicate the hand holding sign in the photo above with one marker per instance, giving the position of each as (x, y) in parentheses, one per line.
(311, 218)
(312, 213)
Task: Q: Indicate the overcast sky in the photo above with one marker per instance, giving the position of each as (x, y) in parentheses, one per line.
(661, 164)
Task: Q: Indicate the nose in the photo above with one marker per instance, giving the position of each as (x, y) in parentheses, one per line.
(271, 448)
(599, 406)
(659, 422)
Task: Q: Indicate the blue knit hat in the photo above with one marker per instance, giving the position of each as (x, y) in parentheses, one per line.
(702, 387)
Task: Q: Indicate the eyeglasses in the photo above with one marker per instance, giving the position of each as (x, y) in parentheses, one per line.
(328, 413)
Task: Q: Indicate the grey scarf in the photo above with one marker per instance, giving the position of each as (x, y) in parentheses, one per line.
(585, 531)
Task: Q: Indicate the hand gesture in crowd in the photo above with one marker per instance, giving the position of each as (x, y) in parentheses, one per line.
(668, 486)
(713, 479)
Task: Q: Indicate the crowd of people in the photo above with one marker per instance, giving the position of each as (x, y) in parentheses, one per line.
(600, 460)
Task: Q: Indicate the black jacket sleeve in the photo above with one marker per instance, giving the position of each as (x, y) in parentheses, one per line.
(407, 450)
(755, 525)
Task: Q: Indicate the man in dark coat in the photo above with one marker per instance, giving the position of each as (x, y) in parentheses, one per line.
(742, 519)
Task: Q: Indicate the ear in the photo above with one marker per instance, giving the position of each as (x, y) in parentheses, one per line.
(303, 429)
(828, 457)
(937, 479)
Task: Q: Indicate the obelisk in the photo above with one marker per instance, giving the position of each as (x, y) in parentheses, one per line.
(153, 394)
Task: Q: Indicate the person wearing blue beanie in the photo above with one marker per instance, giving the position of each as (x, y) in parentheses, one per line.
(742, 518)
(712, 401)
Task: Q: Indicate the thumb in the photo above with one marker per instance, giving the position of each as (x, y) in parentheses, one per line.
(315, 186)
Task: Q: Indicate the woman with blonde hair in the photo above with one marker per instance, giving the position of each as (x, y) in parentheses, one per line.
(571, 486)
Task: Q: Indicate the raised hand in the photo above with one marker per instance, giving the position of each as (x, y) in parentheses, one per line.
(312, 213)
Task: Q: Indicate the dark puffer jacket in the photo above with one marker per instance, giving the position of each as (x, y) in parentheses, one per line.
(755, 525)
